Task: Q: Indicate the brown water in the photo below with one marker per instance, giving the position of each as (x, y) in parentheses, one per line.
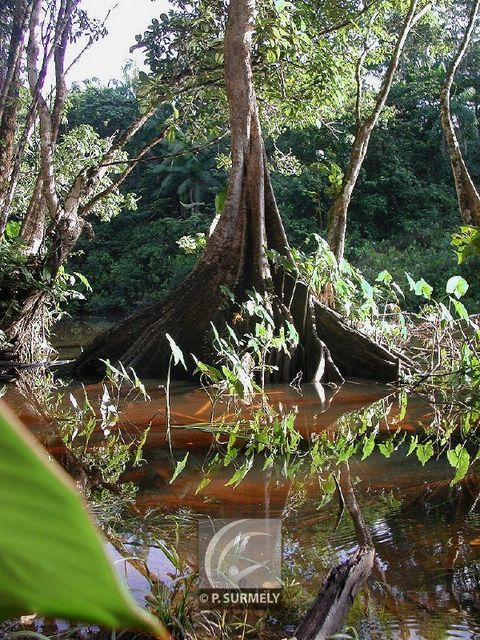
(425, 584)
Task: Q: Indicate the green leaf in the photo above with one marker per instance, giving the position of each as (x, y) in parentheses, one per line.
(171, 134)
(346, 454)
(366, 288)
(180, 467)
(240, 473)
(12, 230)
(460, 309)
(176, 351)
(422, 288)
(387, 448)
(466, 242)
(212, 372)
(413, 445)
(204, 482)
(459, 459)
(368, 446)
(384, 276)
(457, 285)
(411, 281)
(53, 559)
(424, 452)
(83, 280)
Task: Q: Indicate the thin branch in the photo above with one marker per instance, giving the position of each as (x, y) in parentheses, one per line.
(348, 21)
(19, 29)
(410, 21)
(83, 211)
(35, 80)
(358, 74)
(60, 49)
(168, 156)
(91, 40)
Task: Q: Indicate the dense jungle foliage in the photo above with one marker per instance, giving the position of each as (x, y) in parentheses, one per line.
(115, 196)
(403, 212)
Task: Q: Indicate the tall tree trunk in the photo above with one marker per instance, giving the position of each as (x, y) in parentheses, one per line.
(235, 257)
(33, 224)
(9, 97)
(51, 225)
(337, 226)
(467, 194)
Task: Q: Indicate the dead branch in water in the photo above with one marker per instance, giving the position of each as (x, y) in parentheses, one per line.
(329, 610)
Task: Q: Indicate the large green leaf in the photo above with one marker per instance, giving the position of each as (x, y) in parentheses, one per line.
(52, 558)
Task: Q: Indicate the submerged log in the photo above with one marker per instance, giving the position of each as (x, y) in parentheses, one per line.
(328, 613)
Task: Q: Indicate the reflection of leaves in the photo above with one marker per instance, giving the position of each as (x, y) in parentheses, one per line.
(328, 487)
(413, 445)
(205, 481)
(240, 473)
(459, 458)
(346, 454)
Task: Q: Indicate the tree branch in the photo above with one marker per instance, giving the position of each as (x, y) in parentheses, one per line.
(168, 156)
(410, 21)
(348, 21)
(83, 211)
(35, 80)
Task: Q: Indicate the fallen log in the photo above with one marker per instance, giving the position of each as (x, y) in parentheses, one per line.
(328, 613)
(10, 370)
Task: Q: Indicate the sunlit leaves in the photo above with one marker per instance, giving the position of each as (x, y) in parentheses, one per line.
(424, 452)
(466, 242)
(386, 448)
(420, 287)
(460, 309)
(457, 286)
(368, 446)
(459, 458)
(180, 466)
(177, 353)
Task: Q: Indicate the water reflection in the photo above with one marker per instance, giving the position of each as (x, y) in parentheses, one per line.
(425, 581)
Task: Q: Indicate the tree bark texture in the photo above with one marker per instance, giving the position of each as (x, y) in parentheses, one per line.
(337, 225)
(236, 258)
(9, 97)
(51, 225)
(329, 611)
(467, 194)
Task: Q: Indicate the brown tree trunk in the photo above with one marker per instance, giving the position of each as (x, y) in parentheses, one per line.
(235, 257)
(467, 194)
(337, 225)
(328, 613)
(51, 225)
(9, 96)
(33, 224)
